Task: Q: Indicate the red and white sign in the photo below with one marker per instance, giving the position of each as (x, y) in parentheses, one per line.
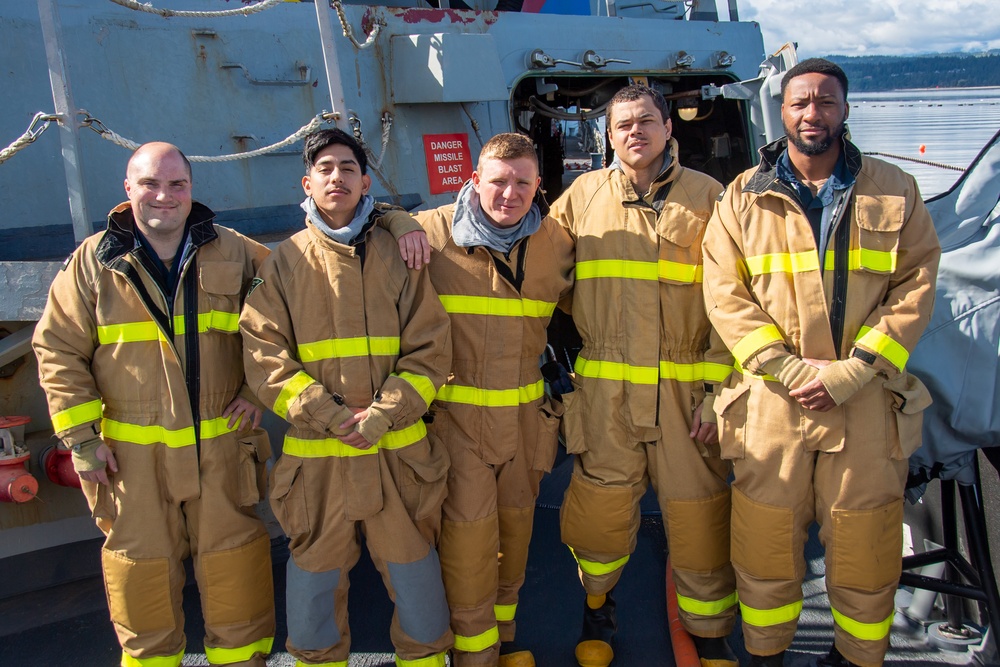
(449, 163)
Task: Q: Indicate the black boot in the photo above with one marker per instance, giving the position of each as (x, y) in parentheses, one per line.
(715, 652)
(834, 659)
(776, 660)
(599, 626)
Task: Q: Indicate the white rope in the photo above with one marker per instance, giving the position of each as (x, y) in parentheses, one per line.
(386, 126)
(167, 13)
(349, 32)
(311, 126)
(28, 137)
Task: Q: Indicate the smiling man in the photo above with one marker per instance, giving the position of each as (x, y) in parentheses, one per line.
(501, 267)
(141, 361)
(645, 380)
(350, 347)
(819, 275)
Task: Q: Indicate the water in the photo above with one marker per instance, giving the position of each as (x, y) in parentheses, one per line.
(952, 124)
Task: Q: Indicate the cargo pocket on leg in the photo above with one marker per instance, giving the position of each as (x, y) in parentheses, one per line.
(572, 421)
(255, 449)
(731, 410)
(547, 437)
(288, 498)
(423, 483)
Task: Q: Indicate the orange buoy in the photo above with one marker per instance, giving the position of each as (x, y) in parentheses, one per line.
(923, 148)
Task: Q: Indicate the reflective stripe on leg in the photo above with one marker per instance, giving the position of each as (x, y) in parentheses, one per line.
(707, 608)
(480, 642)
(227, 656)
(763, 618)
(164, 661)
(430, 661)
(864, 631)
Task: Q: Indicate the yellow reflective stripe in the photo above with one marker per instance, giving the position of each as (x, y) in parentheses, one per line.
(213, 428)
(421, 383)
(763, 618)
(754, 341)
(429, 661)
(884, 346)
(596, 569)
(147, 435)
(617, 268)
(166, 661)
(479, 642)
(613, 370)
(882, 261)
(338, 348)
(290, 392)
(865, 631)
(226, 656)
(505, 612)
(214, 319)
(130, 332)
(338, 663)
(706, 608)
(457, 304)
(77, 415)
(783, 262)
(701, 370)
(684, 273)
(313, 449)
(491, 398)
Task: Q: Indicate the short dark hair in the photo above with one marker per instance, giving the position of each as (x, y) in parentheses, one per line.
(317, 141)
(815, 66)
(636, 91)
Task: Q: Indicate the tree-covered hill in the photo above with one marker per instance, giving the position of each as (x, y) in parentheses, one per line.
(952, 70)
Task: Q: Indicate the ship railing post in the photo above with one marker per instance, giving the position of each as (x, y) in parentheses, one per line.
(331, 64)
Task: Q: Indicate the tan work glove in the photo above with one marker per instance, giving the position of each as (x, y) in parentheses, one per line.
(708, 415)
(845, 378)
(376, 424)
(85, 456)
(790, 371)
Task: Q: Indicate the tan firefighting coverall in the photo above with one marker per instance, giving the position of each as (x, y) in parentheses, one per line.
(116, 358)
(330, 327)
(493, 415)
(845, 468)
(648, 358)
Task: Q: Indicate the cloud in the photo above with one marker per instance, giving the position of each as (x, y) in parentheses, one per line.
(865, 27)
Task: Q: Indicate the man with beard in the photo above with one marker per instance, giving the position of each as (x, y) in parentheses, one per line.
(819, 276)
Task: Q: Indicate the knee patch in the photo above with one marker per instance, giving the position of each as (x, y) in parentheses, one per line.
(309, 598)
(601, 519)
(698, 533)
(867, 549)
(139, 593)
(763, 538)
(469, 560)
(237, 585)
(420, 602)
(515, 535)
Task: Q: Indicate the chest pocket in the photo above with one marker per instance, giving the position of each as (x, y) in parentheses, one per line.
(680, 231)
(880, 221)
(222, 283)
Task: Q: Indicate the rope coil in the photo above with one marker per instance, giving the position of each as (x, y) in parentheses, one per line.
(167, 13)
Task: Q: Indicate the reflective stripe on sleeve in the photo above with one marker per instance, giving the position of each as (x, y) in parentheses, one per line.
(883, 345)
(505, 612)
(763, 618)
(457, 304)
(226, 656)
(756, 340)
(479, 642)
(421, 383)
(77, 415)
(338, 348)
(323, 447)
(291, 391)
(491, 398)
(864, 631)
(164, 661)
(707, 608)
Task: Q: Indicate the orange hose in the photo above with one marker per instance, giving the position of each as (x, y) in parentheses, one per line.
(685, 654)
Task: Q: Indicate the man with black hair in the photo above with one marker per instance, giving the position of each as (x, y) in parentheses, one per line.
(645, 380)
(350, 347)
(819, 275)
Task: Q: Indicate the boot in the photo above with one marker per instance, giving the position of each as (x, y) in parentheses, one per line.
(776, 660)
(512, 655)
(715, 652)
(599, 626)
(834, 659)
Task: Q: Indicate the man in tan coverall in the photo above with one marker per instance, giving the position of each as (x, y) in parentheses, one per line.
(819, 275)
(350, 348)
(501, 266)
(140, 358)
(645, 379)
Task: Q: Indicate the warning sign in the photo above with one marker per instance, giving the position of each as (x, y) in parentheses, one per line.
(449, 163)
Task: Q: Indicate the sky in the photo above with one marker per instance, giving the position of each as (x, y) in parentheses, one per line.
(874, 27)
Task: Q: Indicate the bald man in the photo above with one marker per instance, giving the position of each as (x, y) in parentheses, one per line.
(141, 360)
